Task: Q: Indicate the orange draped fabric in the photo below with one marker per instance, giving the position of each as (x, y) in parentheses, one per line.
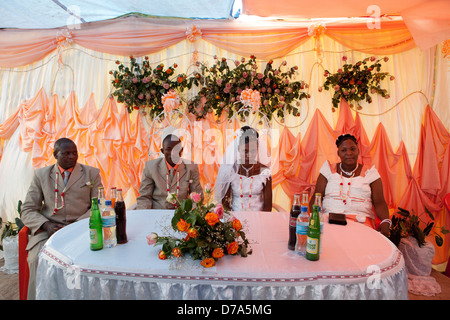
(140, 36)
(396, 38)
(426, 20)
(426, 187)
(107, 138)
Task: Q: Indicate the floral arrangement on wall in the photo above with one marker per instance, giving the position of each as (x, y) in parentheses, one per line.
(138, 86)
(357, 82)
(222, 86)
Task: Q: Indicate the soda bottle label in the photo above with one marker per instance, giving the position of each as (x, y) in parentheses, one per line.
(93, 236)
(312, 245)
(302, 228)
(293, 222)
(108, 221)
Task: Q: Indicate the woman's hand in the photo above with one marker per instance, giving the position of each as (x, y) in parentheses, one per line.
(384, 229)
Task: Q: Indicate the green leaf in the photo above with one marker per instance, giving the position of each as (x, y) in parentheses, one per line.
(186, 205)
(418, 234)
(19, 224)
(428, 228)
(429, 213)
(403, 212)
(19, 206)
(439, 240)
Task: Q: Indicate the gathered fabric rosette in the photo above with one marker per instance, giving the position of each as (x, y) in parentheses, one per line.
(251, 98)
(170, 101)
(204, 230)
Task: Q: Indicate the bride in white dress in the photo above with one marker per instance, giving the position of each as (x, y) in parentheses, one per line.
(243, 182)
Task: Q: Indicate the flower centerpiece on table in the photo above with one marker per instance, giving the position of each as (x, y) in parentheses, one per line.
(139, 87)
(356, 82)
(221, 88)
(206, 231)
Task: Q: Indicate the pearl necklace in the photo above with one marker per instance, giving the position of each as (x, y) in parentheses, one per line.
(56, 195)
(242, 192)
(348, 173)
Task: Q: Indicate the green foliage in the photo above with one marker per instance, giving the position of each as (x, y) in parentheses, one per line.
(201, 232)
(11, 229)
(406, 224)
(221, 87)
(139, 86)
(355, 82)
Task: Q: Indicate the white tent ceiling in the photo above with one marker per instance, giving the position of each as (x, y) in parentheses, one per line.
(39, 14)
(427, 20)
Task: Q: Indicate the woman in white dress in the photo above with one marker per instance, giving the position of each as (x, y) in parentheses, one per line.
(350, 188)
(243, 182)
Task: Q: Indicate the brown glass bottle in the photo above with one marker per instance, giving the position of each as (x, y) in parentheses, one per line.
(295, 211)
(121, 218)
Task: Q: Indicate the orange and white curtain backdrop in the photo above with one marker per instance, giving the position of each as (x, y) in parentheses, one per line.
(47, 93)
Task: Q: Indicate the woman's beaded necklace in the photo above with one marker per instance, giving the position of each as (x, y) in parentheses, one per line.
(341, 185)
(242, 193)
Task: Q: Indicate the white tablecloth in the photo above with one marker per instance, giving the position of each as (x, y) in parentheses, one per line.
(356, 263)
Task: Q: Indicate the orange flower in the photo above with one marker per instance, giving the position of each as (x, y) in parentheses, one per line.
(232, 248)
(208, 262)
(183, 225)
(192, 233)
(180, 79)
(237, 225)
(169, 71)
(176, 252)
(211, 218)
(217, 253)
(162, 255)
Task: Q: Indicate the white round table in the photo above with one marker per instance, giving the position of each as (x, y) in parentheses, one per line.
(356, 262)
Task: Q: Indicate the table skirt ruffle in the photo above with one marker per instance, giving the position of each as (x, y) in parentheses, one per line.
(68, 284)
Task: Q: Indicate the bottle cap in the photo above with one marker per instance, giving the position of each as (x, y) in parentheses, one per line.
(108, 202)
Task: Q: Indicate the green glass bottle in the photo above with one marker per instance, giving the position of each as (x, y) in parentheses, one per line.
(313, 240)
(95, 226)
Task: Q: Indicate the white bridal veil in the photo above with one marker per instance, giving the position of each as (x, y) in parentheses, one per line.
(231, 161)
